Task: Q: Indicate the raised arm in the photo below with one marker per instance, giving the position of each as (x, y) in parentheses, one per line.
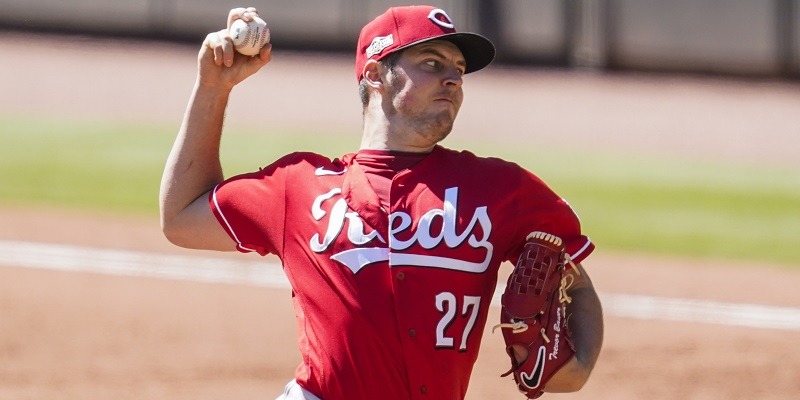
(193, 167)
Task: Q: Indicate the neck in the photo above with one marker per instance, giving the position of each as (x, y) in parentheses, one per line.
(381, 132)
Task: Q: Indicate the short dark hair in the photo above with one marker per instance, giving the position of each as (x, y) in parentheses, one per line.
(388, 62)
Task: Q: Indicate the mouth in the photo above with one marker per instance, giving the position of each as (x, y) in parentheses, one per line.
(445, 99)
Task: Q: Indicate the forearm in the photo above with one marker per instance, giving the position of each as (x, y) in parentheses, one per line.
(586, 324)
(193, 167)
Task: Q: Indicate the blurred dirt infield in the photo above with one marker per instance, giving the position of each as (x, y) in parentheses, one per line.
(87, 336)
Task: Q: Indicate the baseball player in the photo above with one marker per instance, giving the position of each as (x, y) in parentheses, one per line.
(392, 251)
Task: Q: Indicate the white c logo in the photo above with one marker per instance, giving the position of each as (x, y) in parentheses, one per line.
(447, 23)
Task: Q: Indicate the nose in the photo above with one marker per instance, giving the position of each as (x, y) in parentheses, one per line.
(454, 77)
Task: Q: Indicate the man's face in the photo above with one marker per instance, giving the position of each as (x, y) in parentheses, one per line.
(424, 89)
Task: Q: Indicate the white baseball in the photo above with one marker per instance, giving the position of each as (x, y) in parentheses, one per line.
(249, 37)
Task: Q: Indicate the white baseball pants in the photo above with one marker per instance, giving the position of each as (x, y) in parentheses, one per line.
(293, 391)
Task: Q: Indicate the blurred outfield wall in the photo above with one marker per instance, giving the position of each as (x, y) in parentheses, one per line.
(736, 37)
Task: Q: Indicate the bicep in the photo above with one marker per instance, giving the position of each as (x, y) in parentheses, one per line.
(196, 227)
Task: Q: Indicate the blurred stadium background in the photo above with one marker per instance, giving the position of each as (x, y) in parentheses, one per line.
(732, 37)
(723, 95)
(688, 178)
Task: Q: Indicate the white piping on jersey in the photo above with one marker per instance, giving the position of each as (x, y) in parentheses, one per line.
(230, 228)
(582, 249)
(323, 172)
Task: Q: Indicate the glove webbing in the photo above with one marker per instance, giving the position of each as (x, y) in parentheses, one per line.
(520, 326)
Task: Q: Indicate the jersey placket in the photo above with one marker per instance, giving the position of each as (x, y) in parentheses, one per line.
(362, 199)
(404, 281)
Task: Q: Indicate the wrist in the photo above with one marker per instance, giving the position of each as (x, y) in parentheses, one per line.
(212, 89)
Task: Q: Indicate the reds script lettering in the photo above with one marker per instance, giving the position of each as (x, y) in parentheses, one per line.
(400, 222)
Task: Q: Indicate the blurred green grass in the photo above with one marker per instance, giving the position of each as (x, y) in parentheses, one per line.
(626, 202)
(683, 207)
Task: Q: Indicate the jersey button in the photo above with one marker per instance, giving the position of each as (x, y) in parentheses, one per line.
(423, 389)
(401, 276)
(412, 333)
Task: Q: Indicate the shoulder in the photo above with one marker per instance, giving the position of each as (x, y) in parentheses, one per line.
(494, 168)
(467, 158)
(306, 159)
(301, 161)
(501, 173)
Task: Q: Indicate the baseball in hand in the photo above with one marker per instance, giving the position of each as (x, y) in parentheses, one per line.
(249, 37)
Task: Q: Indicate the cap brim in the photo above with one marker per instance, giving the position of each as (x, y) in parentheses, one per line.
(478, 51)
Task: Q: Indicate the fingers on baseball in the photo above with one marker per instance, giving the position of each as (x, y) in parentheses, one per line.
(211, 43)
(243, 13)
(228, 51)
(250, 14)
(221, 46)
(265, 55)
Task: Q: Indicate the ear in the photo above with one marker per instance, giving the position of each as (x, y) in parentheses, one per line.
(372, 73)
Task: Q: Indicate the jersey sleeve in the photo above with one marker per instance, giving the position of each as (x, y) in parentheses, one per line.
(540, 209)
(252, 208)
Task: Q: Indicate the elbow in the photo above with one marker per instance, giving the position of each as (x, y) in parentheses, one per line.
(173, 225)
(574, 375)
(169, 232)
(569, 379)
(577, 382)
(172, 232)
(166, 218)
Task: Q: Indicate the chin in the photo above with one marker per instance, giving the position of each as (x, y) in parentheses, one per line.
(439, 135)
(434, 130)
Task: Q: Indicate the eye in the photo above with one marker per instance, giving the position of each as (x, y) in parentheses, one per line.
(433, 63)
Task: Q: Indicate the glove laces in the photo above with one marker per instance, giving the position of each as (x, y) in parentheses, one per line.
(519, 326)
(566, 282)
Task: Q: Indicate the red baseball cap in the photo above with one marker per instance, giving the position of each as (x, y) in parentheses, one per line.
(402, 27)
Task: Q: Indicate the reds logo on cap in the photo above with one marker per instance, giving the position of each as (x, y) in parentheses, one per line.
(439, 17)
(402, 27)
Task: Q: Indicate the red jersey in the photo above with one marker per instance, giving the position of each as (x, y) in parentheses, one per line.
(391, 303)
